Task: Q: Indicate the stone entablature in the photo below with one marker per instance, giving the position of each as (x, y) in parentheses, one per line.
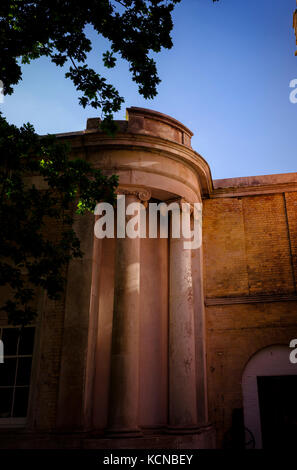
(149, 149)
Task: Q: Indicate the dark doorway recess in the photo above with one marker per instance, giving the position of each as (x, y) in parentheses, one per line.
(278, 410)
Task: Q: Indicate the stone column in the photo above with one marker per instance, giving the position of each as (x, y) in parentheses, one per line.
(182, 368)
(75, 376)
(124, 379)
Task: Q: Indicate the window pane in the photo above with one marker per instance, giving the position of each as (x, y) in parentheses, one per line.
(7, 371)
(24, 371)
(27, 341)
(21, 402)
(10, 338)
(5, 402)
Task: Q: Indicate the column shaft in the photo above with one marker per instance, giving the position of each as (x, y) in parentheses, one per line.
(182, 373)
(124, 380)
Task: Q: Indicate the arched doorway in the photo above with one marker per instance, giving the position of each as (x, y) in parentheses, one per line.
(269, 385)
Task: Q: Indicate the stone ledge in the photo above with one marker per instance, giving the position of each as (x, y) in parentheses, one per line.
(205, 438)
(250, 299)
(254, 185)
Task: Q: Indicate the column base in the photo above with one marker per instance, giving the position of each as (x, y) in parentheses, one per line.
(194, 429)
(115, 433)
(203, 438)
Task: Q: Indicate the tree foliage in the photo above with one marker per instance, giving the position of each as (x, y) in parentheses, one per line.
(30, 256)
(37, 238)
(57, 29)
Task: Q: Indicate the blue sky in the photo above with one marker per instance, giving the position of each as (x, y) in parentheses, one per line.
(226, 78)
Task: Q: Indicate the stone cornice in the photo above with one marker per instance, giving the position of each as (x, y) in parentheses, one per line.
(254, 190)
(153, 132)
(95, 140)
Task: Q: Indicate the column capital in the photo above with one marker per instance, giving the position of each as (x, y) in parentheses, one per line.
(143, 194)
(181, 200)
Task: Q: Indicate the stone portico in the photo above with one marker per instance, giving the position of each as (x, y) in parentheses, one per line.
(141, 305)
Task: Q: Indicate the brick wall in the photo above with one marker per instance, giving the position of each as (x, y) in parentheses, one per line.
(47, 350)
(250, 256)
